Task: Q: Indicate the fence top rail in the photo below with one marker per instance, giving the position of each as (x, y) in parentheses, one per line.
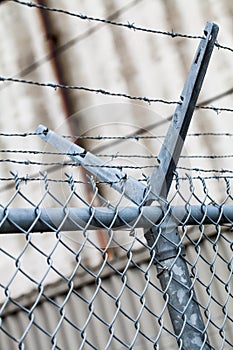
(23, 220)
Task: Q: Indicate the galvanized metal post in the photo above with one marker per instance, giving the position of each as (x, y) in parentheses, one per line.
(172, 269)
(176, 283)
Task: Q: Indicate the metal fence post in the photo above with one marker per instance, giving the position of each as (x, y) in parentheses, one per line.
(172, 269)
(176, 283)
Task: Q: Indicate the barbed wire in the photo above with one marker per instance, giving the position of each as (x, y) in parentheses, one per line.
(211, 134)
(209, 177)
(112, 166)
(103, 91)
(117, 137)
(27, 178)
(109, 93)
(222, 171)
(128, 25)
(71, 42)
(223, 47)
(15, 134)
(87, 89)
(114, 155)
(212, 156)
(31, 178)
(42, 177)
(31, 162)
(16, 180)
(218, 110)
(74, 164)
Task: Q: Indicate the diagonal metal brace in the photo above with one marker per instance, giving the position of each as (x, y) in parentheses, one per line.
(131, 188)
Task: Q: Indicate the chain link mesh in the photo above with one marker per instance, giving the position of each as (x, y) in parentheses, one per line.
(97, 286)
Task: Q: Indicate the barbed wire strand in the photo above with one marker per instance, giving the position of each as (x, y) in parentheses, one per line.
(115, 155)
(71, 42)
(87, 89)
(128, 25)
(145, 99)
(103, 137)
(34, 178)
(109, 166)
(222, 171)
(109, 93)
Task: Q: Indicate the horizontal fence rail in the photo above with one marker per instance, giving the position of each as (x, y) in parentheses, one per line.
(21, 220)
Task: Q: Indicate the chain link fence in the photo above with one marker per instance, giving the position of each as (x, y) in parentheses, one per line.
(95, 254)
(90, 280)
